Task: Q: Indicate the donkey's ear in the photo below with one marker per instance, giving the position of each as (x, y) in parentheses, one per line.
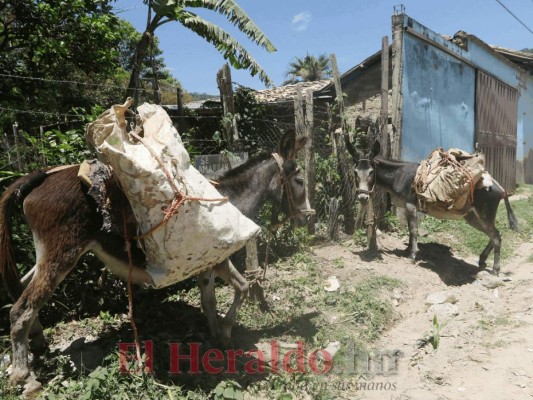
(376, 148)
(351, 148)
(286, 145)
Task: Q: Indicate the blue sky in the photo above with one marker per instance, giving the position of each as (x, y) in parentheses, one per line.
(351, 29)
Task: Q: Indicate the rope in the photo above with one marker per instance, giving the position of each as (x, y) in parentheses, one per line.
(130, 293)
(446, 158)
(179, 199)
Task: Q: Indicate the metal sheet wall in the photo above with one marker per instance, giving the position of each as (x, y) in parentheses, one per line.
(496, 127)
(438, 101)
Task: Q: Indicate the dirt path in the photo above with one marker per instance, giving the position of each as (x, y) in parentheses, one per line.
(486, 324)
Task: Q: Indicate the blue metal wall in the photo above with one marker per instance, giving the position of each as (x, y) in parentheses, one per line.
(525, 130)
(438, 100)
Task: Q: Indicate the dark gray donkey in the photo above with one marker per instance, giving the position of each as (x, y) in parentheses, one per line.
(397, 177)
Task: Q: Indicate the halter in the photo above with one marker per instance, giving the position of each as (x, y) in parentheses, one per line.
(374, 185)
(293, 211)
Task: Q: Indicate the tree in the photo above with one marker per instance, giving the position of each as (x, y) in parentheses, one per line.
(47, 44)
(308, 69)
(163, 11)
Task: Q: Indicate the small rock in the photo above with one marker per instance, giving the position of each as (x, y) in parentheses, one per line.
(496, 293)
(332, 349)
(489, 281)
(444, 311)
(332, 284)
(441, 298)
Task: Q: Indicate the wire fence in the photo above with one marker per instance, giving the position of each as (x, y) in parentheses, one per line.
(334, 189)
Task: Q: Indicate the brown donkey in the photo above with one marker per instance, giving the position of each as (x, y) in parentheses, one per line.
(65, 223)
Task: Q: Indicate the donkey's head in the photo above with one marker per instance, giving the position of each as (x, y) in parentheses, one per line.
(364, 170)
(291, 195)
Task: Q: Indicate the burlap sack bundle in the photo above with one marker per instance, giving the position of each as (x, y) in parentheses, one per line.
(155, 173)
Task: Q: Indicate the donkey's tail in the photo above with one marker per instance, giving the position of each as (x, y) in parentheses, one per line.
(12, 197)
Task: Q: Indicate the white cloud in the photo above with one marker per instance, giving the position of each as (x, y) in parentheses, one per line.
(301, 21)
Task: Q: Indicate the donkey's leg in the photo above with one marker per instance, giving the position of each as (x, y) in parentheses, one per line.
(412, 223)
(206, 283)
(48, 276)
(229, 274)
(489, 229)
(36, 336)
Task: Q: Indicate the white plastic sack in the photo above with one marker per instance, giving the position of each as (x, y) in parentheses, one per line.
(201, 234)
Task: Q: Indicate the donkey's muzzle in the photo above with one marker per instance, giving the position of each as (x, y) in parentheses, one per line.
(303, 217)
(363, 197)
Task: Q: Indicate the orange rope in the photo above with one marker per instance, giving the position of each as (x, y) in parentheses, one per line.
(178, 201)
(180, 198)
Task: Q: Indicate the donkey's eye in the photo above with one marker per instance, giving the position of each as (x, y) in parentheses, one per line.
(299, 181)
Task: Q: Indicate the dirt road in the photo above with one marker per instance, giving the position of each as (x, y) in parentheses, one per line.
(485, 324)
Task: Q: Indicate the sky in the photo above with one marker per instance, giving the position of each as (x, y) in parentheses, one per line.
(350, 29)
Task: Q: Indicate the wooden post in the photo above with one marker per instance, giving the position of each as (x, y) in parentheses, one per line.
(226, 95)
(310, 159)
(252, 266)
(331, 131)
(181, 110)
(345, 164)
(299, 121)
(333, 220)
(384, 114)
(377, 204)
(397, 73)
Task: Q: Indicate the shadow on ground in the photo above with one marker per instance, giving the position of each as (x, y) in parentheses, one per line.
(183, 328)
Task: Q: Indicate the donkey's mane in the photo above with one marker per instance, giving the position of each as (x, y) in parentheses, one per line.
(248, 165)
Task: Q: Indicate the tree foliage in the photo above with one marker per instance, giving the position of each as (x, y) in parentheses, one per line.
(308, 69)
(51, 43)
(163, 11)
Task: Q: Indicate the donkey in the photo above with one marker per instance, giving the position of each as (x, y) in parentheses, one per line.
(66, 223)
(397, 178)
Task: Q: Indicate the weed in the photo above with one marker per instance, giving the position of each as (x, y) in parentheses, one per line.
(228, 390)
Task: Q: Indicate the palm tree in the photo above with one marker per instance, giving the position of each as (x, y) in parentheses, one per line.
(163, 11)
(308, 69)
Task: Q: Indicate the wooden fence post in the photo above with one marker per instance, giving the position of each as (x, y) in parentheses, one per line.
(299, 121)
(310, 158)
(345, 164)
(181, 111)
(226, 96)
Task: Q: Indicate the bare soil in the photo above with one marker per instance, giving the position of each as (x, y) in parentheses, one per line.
(485, 351)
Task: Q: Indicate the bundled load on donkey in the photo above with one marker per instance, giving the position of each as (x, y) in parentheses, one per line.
(185, 224)
(446, 180)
